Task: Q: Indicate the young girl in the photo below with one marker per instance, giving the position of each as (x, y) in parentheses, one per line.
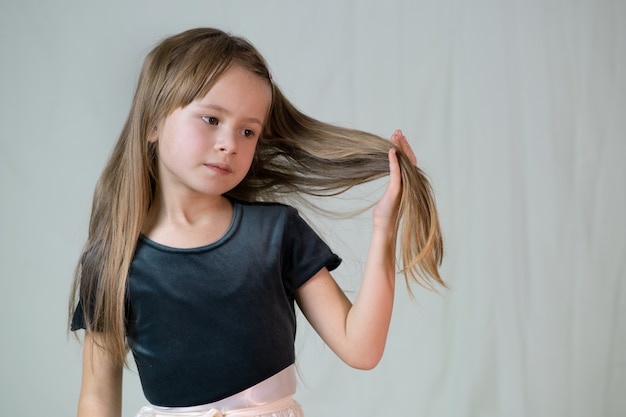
(193, 264)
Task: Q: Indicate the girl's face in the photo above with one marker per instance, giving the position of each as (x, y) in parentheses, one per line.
(207, 147)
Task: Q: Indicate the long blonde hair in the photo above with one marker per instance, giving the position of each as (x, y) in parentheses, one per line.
(296, 154)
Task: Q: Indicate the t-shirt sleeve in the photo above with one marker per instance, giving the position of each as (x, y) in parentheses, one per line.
(85, 304)
(305, 251)
(78, 319)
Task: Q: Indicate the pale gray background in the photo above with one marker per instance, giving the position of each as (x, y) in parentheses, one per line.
(516, 109)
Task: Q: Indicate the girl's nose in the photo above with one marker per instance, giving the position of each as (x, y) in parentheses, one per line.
(226, 142)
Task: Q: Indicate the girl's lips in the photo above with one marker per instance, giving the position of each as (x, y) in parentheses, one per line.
(219, 168)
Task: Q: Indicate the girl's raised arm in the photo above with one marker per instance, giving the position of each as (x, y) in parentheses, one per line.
(358, 333)
(101, 386)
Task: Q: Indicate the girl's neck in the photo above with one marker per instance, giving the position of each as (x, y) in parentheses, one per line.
(188, 224)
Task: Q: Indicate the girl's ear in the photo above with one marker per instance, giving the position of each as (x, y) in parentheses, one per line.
(153, 136)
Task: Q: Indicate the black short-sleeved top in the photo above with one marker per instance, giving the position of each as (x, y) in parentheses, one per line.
(208, 322)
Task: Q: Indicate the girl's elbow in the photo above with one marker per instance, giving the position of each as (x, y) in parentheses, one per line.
(365, 365)
(365, 361)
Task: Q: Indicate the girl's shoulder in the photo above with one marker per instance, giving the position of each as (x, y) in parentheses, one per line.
(266, 212)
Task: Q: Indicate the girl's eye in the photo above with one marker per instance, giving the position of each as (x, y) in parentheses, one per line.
(248, 133)
(210, 120)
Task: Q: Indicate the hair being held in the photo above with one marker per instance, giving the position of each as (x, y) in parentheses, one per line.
(298, 154)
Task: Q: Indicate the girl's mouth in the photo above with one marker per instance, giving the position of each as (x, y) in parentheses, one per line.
(220, 168)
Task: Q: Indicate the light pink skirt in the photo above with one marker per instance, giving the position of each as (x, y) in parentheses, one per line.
(270, 398)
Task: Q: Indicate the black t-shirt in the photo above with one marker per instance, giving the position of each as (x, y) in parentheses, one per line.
(208, 322)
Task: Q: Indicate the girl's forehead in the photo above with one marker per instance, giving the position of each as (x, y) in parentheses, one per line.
(237, 80)
(237, 91)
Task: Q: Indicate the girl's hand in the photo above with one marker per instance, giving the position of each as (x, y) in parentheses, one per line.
(386, 210)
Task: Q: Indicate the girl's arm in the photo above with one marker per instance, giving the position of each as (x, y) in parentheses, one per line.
(357, 333)
(101, 387)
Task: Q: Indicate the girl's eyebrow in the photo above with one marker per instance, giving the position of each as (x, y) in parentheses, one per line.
(225, 111)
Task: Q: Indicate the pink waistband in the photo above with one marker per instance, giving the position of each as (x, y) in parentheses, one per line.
(274, 393)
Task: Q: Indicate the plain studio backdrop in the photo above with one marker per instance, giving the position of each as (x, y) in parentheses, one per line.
(517, 111)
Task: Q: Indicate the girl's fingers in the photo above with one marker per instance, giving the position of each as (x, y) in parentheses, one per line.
(401, 142)
(386, 210)
(394, 168)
